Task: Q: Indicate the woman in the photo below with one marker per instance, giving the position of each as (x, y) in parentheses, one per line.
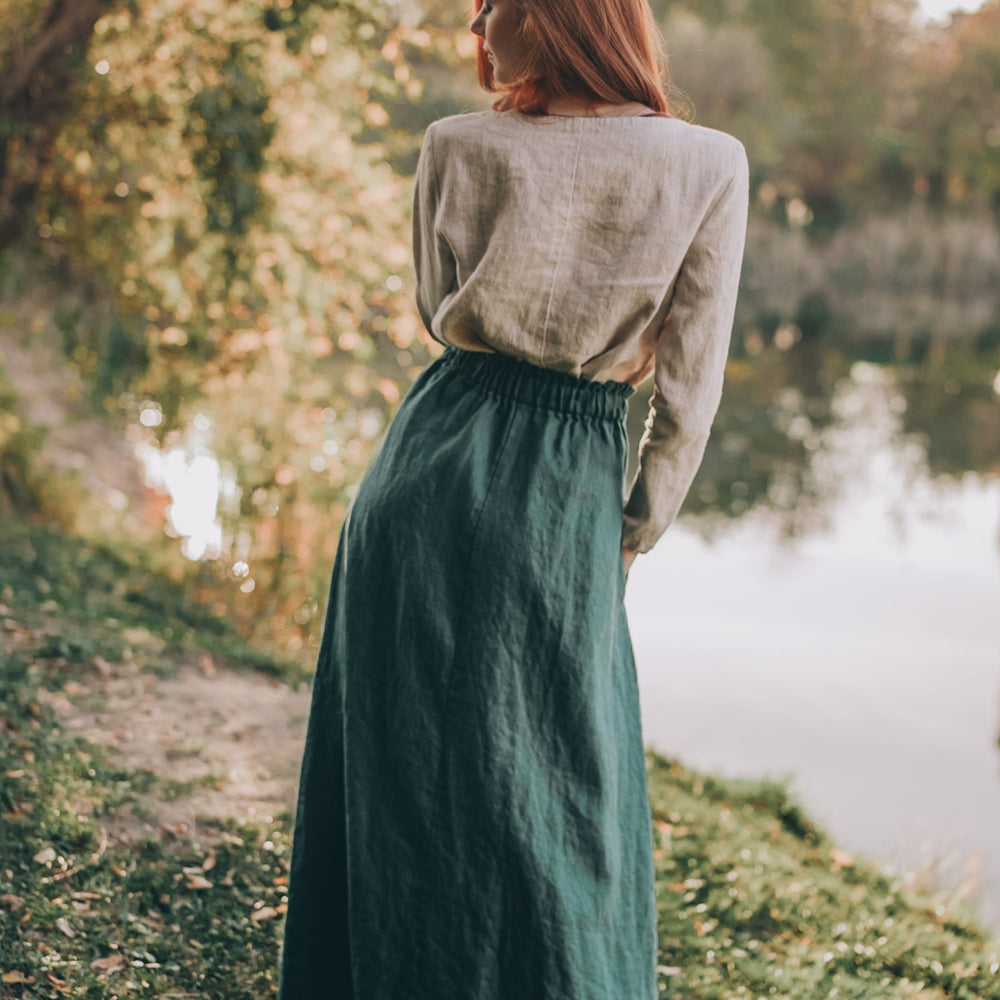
(473, 822)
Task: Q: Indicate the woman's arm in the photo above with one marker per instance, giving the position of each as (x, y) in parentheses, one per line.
(691, 354)
(432, 257)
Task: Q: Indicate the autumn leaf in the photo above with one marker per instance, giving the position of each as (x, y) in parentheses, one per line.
(263, 914)
(60, 984)
(15, 976)
(113, 963)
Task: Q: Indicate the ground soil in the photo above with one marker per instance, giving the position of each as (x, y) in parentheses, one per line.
(231, 741)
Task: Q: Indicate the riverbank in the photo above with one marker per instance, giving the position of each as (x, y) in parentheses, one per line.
(144, 850)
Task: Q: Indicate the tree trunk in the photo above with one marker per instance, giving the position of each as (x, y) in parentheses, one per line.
(40, 71)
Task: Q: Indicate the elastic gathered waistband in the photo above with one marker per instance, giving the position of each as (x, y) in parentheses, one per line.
(544, 388)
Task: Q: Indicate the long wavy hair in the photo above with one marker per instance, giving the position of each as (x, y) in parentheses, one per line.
(608, 51)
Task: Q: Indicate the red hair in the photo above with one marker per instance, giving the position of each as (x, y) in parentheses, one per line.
(609, 51)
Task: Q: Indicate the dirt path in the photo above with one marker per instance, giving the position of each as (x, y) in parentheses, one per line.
(229, 741)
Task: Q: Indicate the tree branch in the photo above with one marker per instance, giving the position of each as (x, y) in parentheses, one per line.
(66, 25)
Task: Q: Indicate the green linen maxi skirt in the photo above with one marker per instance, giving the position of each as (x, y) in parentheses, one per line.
(473, 820)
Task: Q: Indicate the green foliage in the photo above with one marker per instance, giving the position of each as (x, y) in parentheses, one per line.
(25, 485)
(255, 255)
(847, 105)
(955, 110)
(19, 446)
(227, 132)
(100, 596)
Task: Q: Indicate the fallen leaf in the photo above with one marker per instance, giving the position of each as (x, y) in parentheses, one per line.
(63, 924)
(15, 772)
(15, 976)
(264, 913)
(60, 984)
(110, 964)
(198, 882)
(45, 855)
(209, 863)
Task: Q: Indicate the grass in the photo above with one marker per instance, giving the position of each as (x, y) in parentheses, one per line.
(82, 915)
(107, 602)
(754, 900)
(86, 918)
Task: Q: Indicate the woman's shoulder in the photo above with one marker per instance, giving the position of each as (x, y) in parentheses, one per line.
(465, 123)
(677, 143)
(657, 129)
(702, 145)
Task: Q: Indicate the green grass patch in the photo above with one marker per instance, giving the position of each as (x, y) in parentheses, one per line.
(91, 601)
(755, 901)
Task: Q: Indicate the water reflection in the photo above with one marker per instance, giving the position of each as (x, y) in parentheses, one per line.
(796, 427)
(826, 608)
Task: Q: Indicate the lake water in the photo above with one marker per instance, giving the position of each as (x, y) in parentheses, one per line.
(828, 612)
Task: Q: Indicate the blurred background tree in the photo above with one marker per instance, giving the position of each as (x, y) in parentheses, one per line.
(204, 206)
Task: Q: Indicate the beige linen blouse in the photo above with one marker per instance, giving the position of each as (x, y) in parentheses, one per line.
(606, 247)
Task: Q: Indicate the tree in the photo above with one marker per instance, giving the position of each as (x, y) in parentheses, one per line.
(955, 110)
(246, 256)
(40, 70)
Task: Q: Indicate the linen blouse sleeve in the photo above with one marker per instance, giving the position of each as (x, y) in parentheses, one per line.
(432, 257)
(691, 352)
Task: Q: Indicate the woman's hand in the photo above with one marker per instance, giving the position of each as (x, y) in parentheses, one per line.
(629, 556)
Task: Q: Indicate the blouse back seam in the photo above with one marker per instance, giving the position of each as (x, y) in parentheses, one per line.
(562, 246)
